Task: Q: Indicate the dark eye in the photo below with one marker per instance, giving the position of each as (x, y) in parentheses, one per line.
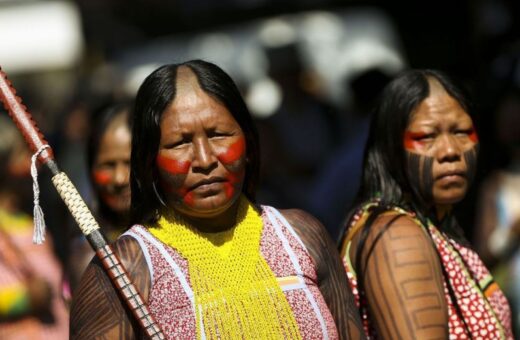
(106, 165)
(217, 134)
(176, 144)
(422, 136)
(464, 132)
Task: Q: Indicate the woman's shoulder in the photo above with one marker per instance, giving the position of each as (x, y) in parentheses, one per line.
(373, 216)
(306, 225)
(126, 245)
(128, 249)
(299, 219)
(391, 225)
(396, 218)
(309, 230)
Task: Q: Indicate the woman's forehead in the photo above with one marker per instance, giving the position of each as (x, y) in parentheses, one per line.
(438, 107)
(186, 81)
(197, 109)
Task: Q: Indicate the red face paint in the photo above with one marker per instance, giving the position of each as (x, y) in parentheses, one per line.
(188, 199)
(473, 135)
(412, 140)
(173, 166)
(232, 179)
(234, 153)
(102, 177)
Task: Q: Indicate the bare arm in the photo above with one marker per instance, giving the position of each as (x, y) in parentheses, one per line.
(97, 311)
(403, 281)
(332, 279)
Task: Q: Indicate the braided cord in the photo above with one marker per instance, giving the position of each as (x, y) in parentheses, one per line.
(75, 203)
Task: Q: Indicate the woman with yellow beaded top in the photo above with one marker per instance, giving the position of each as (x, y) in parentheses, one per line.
(209, 262)
(415, 275)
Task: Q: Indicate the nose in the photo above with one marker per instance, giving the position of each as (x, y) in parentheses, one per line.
(449, 149)
(121, 174)
(203, 158)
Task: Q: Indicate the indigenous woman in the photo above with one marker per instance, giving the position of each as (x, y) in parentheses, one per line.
(210, 262)
(414, 274)
(108, 159)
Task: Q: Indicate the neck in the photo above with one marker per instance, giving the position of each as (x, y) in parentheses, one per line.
(215, 224)
(442, 210)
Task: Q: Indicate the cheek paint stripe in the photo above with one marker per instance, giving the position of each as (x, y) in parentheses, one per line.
(173, 166)
(470, 157)
(427, 177)
(102, 177)
(188, 199)
(413, 169)
(234, 153)
(473, 136)
(420, 175)
(410, 142)
(230, 190)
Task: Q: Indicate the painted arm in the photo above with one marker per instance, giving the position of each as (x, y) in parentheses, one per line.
(403, 280)
(332, 279)
(97, 311)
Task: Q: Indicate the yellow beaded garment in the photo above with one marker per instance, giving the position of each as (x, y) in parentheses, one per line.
(236, 293)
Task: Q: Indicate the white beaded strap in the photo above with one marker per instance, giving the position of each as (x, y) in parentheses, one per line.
(38, 218)
(75, 203)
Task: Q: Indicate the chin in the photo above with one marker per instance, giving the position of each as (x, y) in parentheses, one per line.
(207, 206)
(448, 199)
(449, 195)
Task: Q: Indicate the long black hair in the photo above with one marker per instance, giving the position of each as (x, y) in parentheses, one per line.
(153, 97)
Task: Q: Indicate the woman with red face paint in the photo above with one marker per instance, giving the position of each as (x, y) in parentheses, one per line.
(415, 275)
(210, 262)
(108, 159)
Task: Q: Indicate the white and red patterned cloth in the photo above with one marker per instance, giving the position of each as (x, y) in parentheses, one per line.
(171, 299)
(484, 310)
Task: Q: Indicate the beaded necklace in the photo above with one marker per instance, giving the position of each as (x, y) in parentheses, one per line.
(236, 293)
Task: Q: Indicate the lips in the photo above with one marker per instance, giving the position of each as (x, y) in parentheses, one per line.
(451, 174)
(207, 182)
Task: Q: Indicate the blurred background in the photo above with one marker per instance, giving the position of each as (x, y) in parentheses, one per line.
(309, 70)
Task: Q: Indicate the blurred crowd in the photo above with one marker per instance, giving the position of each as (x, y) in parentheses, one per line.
(310, 80)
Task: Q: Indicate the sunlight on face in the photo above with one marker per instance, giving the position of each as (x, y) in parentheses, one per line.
(201, 158)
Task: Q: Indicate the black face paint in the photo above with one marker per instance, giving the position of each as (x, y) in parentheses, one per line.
(470, 157)
(420, 175)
